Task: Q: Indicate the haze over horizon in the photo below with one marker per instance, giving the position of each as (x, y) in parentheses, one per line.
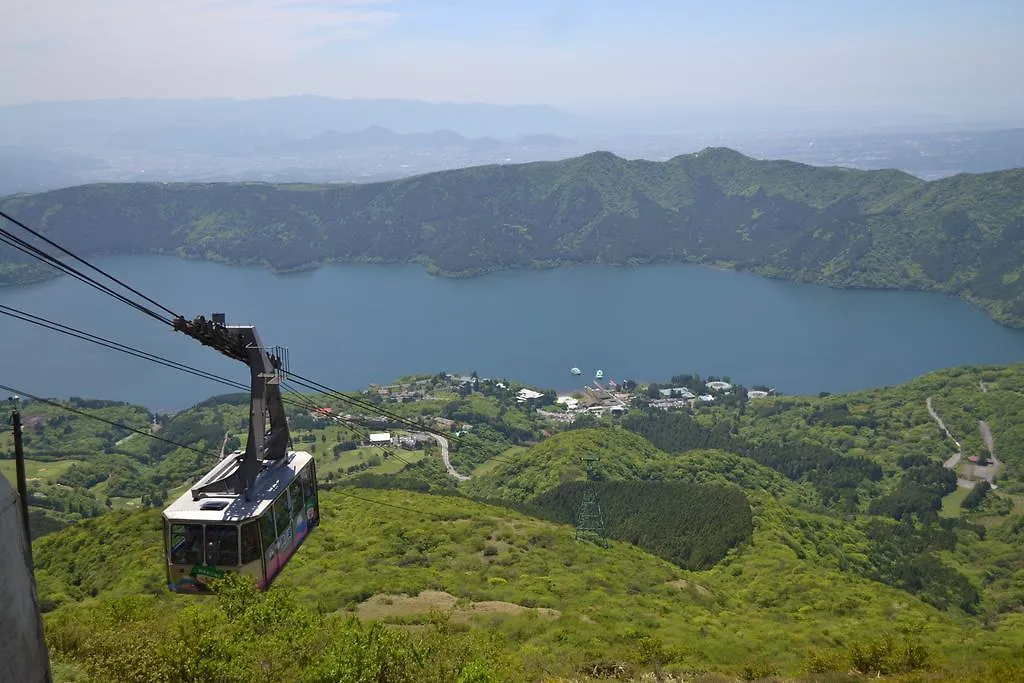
(920, 61)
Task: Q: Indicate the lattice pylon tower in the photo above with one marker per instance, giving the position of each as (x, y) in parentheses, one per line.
(590, 521)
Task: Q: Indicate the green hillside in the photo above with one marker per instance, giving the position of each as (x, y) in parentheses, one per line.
(839, 227)
(79, 467)
(536, 603)
(789, 534)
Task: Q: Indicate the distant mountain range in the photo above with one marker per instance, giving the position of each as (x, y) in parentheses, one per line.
(380, 137)
(839, 227)
(98, 121)
(46, 146)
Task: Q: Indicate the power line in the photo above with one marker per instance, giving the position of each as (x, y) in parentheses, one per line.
(37, 253)
(366, 405)
(130, 350)
(40, 255)
(180, 445)
(390, 505)
(349, 425)
(104, 420)
(114, 345)
(86, 263)
(300, 399)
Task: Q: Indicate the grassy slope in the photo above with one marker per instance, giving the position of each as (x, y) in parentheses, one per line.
(622, 455)
(763, 604)
(839, 227)
(791, 589)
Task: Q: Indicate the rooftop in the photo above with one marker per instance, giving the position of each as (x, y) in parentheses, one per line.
(269, 485)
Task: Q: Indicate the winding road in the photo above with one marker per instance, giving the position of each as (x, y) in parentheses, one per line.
(991, 471)
(443, 443)
(986, 472)
(953, 460)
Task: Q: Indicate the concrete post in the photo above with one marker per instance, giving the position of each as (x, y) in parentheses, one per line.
(23, 655)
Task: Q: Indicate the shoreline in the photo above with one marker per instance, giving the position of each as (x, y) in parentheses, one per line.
(560, 390)
(39, 275)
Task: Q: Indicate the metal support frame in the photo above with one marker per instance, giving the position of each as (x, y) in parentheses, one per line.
(590, 521)
(265, 445)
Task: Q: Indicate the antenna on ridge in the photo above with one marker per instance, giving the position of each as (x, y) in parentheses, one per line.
(590, 521)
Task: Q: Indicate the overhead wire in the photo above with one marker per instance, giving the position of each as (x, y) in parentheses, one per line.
(119, 425)
(300, 400)
(367, 405)
(145, 355)
(112, 423)
(342, 492)
(102, 272)
(348, 424)
(114, 345)
(39, 254)
(132, 351)
(401, 419)
(35, 252)
(22, 245)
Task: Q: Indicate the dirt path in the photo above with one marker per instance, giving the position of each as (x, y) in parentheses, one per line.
(981, 383)
(953, 460)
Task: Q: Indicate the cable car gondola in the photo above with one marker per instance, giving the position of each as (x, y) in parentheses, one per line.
(250, 512)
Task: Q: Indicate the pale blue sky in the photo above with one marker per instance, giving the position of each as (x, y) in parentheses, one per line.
(947, 56)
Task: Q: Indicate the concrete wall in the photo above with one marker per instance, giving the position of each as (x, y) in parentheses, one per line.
(22, 649)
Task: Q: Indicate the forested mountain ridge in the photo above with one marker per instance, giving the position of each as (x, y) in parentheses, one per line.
(839, 227)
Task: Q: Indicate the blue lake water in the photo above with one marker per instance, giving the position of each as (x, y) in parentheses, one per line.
(348, 326)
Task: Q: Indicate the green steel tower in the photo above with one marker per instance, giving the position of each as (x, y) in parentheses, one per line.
(590, 521)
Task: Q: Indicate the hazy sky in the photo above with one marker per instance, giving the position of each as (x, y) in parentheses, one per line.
(947, 56)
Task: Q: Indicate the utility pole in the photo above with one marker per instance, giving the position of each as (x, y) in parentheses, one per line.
(19, 459)
(590, 521)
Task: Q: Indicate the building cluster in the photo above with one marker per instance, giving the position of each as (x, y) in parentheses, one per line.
(409, 442)
(402, 392)
(683, 397)
(595, 400)
(524, 395)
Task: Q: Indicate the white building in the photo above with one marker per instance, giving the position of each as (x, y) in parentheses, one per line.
(569, 402)
(719, 386)
(756, 393)
(525, 395)
(707, 398)
(380, 438)
(669, 403)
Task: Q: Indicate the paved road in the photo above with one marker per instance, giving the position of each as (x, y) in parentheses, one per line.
(991, 471)
(443, 443)
(953, 460)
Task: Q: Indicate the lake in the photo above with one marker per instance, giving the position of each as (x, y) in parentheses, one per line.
(349, 326)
